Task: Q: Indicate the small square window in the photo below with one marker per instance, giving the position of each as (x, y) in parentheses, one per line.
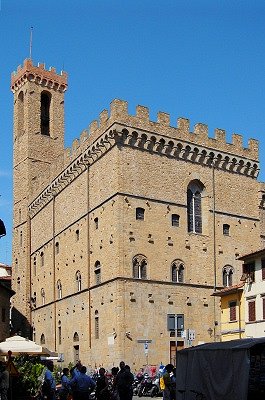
(226, 229)
(175, 220)
(140, 213)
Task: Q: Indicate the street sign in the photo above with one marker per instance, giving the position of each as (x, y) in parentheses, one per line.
(191, 334)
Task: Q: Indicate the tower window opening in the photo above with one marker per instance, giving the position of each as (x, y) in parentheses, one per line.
(20, 113)
(45, 113)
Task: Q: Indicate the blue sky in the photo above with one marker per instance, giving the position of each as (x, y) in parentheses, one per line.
(203, 60)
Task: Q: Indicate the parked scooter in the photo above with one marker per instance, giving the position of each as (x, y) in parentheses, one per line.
(145, 386)
(155, 390)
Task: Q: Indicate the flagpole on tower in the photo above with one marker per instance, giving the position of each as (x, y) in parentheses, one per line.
(30, 43)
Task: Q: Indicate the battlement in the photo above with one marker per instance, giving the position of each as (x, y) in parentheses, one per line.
(39, 75)
(141, 120)
(117, 126)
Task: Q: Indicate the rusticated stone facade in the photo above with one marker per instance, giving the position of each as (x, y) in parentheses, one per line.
(131, 226)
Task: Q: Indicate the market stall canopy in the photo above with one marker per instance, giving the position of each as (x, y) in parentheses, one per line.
(20, 345)
(219, 370)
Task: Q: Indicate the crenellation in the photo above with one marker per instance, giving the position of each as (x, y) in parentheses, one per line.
(253, 148)
(142, 113)
(163, 118)
(75, 146)
(237, 141)
(201, 130)
(183, 125)
(103, 118)
(29, 72)
(118, 108)
(84, 136)
(220, 135)
(199, 136)
(93, 127)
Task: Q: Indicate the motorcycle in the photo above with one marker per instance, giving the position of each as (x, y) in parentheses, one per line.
(145, 386)
(155, 390)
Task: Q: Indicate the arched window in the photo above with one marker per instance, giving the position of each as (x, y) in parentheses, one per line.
(97, 272)
(42, 339)
(96, 222)
(139, 263)
(140, 213)
(59, 289)
(42, 293)
(78, 280)
(228, 271)
(21, 239)
(194, 206)
(77, 235)
(177, 271)
(45, 113)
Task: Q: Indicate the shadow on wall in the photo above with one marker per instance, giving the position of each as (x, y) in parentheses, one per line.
(20, 325)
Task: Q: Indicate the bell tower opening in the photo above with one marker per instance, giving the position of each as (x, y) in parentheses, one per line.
(20, 113)
(45, 113)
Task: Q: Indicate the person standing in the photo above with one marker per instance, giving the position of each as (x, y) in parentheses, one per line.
(102, 386)
(124, 382)
(82, 384)
(167, 382)
(114, 391)
(4, 381)
(49, 385)
(65, 389)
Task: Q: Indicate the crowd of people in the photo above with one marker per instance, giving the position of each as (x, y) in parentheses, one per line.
(77, 385)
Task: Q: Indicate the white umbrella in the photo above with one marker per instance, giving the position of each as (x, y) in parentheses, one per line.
(18, 344)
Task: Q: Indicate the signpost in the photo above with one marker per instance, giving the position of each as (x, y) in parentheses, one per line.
(146, 351)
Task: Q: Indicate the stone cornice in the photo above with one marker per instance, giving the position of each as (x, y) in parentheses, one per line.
(122, 135)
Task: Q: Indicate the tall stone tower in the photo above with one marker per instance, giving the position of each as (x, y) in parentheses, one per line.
(38, 141)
